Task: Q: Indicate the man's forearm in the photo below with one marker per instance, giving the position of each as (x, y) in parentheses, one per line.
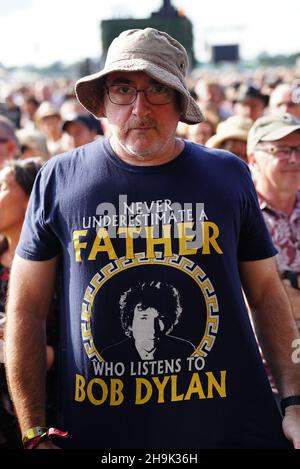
(26, 366)
(30, 291)
(276, 331)
(294, 297)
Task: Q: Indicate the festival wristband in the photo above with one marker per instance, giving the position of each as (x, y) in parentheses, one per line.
(32, 433)
(33, 437)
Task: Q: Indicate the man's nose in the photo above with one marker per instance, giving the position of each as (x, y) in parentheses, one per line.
(294, 157)
(141, 106)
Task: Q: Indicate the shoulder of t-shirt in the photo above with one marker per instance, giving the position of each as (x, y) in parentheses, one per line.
(63, 161)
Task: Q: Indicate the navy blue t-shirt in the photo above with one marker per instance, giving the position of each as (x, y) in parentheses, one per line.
(156, 348)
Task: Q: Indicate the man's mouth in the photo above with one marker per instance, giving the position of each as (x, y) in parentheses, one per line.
(144, 127)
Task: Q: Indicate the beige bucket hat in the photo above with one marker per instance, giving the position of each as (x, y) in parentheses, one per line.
(142, 50)
(34, 140)
(46, 109)
(235, 127)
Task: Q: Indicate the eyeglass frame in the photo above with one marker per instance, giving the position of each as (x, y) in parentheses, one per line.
(286, 157)
(169, 89)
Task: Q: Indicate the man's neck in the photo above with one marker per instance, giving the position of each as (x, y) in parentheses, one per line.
(151, 160)
(282, 200)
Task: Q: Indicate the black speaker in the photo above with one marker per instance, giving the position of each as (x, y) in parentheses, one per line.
(225, 53)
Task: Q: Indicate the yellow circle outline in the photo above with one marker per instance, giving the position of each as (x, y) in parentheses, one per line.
(181, 263)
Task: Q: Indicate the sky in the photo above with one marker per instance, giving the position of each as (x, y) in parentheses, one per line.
(40, 32)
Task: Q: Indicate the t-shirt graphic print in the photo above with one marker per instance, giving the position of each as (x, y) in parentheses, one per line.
(156, 347)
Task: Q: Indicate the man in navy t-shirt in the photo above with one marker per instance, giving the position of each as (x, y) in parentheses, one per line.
(141, 226)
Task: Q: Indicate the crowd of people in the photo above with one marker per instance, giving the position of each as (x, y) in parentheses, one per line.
(255, 116)
(48, 119)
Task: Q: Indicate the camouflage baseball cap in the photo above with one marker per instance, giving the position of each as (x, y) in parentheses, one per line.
(271, 128)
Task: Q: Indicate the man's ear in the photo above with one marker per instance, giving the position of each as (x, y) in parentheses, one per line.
(251, 159)
(254, 166)
(102, 108)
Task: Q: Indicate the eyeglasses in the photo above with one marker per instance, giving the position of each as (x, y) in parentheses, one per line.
(282, 153)
(124, 94)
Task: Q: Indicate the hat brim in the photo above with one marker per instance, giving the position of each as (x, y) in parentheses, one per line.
(280, 133)
(216, 140)
(88, 88)
(262, 97)
(66, 124)
(39, 118)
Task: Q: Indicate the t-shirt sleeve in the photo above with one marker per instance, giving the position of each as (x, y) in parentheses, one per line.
(255, 242)
(38, 241)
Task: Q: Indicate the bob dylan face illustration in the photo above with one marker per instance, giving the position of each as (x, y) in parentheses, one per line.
(150, 310)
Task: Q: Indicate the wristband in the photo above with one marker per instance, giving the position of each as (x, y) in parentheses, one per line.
(32, 437)
(287, 401)
(34, 442)
(32, 433)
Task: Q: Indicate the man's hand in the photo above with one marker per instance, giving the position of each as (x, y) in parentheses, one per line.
(291, 425)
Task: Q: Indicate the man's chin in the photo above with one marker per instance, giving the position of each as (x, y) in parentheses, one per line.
(138, 148)
(141, 151)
